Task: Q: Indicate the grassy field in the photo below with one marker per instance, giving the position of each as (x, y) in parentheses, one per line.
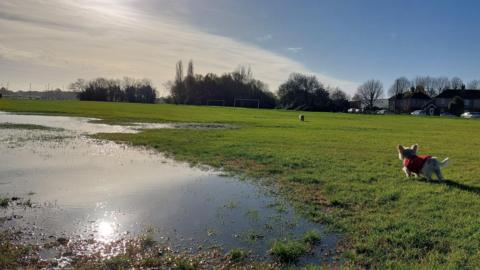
(339, 169)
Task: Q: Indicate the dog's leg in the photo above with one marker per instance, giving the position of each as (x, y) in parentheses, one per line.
(428, 175)
(438, 172)
(407, 172)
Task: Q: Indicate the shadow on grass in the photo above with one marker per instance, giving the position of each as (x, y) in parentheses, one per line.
(453, 184)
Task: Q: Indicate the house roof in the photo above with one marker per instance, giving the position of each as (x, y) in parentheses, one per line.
(465, 94)
(430, 104)
(415, 95)
(397, 96)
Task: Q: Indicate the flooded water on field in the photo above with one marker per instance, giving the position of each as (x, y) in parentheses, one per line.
(81, 188)
(82, 125)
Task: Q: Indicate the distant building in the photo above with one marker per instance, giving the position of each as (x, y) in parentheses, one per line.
(356, 104)
(47, 95)
(408, 102)
(471, 99)
(381, 103)
(378, 104)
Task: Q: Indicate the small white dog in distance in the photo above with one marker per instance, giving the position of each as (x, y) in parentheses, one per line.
(423, 165)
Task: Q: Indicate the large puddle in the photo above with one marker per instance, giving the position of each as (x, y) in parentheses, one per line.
(82, 125)
(81, 188)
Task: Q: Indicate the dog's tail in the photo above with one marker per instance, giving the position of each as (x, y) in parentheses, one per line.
(444, 163)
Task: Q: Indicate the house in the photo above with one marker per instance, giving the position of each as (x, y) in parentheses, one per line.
(381, 103)
(431, 108)
(378, 104)
(356, 104)
(408, 102)
(471, 99)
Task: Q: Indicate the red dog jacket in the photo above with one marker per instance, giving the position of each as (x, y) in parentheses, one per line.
(415, 163)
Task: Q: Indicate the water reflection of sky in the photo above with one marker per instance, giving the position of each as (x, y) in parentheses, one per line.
(88, 189)
(92, 125)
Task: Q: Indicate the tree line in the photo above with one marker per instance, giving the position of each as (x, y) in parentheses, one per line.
(230, 89)
(300, 92)
(240, 88)
(431, 86)
(303, 92)
(115, 90)
(372, 90)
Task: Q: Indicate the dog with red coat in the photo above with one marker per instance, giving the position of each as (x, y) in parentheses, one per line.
(420, 165)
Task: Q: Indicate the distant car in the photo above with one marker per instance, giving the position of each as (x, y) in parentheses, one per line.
(470, 115)
(382, 111)
(447, 114)
(353, 110)
(418, 112)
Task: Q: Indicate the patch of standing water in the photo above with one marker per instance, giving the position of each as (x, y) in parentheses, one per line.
(85, 125)
(92, 189)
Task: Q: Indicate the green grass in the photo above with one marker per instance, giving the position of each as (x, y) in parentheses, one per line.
(12, 256)
(237, 255)
(120, 262)
(339, 169)
(288, 251)
(4, 202)
(312, 237)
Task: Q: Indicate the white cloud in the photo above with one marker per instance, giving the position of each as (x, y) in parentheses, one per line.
(265, 38)
(295, 49)
(90, 38)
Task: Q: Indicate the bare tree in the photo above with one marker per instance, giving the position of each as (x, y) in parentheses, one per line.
(369, 92)
(339, 99)
(399, 86)
(243, 74)
(190, 69)
(425, 84)
(178, 90)
(78, 85)
(456, 83)
(442, 84)
(179, 72)
(474, 85)
(337, 93)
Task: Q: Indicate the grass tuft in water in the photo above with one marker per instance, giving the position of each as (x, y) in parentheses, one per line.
(120, 262)
(288, 251)
(183, 264)
(312, 237)
(12, 255)
(4, 202)
(147, 239)
(27, 127)
(237, 255)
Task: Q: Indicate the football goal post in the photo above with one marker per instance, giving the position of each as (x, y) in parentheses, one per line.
(246, 102)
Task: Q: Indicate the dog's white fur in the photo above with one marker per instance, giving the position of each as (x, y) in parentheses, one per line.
(431, 166)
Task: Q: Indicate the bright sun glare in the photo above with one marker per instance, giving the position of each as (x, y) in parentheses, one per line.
(105, 231)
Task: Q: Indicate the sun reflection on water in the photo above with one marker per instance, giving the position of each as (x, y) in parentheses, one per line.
(105, 231)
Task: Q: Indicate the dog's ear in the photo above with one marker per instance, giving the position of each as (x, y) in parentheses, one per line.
(400, 148)
(415, 148)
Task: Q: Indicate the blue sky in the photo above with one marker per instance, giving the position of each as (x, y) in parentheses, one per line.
(343, 42)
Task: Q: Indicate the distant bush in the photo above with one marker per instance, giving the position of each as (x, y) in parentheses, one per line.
(456, 106)
(306, 93)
